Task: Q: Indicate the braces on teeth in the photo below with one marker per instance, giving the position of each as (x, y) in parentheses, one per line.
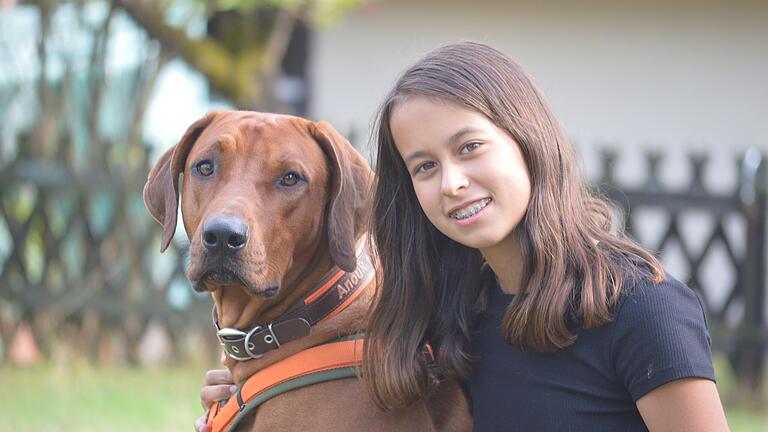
(471, 211)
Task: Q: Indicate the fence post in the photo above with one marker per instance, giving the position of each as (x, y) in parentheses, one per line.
(749, 355)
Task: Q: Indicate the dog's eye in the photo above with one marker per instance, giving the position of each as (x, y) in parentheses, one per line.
(205, 168)
(289, 180)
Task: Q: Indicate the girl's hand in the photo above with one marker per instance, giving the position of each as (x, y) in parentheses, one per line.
(218, 385)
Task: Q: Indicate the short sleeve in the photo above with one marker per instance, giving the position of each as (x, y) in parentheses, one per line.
(660, 335)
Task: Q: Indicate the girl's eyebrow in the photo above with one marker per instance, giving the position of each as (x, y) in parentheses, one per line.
(414, 155)
(453, 138)
(463, 131)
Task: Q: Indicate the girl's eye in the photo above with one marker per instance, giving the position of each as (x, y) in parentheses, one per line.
(426, 166)
(290, 179)
(469, 147)
(205, 168)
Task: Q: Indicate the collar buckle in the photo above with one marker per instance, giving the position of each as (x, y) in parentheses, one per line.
(228, 338)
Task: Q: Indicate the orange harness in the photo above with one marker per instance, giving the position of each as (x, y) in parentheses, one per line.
(334, 360)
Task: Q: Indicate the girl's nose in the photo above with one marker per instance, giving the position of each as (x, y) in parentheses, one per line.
(453, 181)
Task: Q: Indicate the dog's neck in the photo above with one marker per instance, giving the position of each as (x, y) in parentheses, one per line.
(256, 311)
(237, 308)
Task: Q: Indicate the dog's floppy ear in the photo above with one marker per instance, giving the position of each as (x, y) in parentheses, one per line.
(161, 192)
(348, 207)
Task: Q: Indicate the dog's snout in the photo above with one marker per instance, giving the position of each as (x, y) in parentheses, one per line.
(227, 235)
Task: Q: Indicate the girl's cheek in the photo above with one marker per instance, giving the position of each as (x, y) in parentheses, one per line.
(425, 202)
(422, 203)
(418, 189)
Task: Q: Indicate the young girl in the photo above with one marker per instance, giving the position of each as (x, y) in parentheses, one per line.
(493, 250)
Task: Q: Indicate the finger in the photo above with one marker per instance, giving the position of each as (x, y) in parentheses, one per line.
(201, 426)
(211, 394)
(218, 376)
(223, 357)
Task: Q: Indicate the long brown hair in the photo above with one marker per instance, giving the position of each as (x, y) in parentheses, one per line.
(431, 288)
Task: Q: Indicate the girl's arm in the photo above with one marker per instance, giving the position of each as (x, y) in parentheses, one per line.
(689, 404)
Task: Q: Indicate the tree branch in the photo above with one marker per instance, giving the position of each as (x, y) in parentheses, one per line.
(223, 71)
(97, 83)
(279, 38)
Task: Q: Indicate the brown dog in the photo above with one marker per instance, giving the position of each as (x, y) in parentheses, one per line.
(271, 205)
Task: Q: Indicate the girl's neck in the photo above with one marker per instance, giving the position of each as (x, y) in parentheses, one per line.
(506, 261)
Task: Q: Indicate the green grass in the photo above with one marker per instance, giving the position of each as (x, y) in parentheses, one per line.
(85, 398)
(746, 420)
(743, 415)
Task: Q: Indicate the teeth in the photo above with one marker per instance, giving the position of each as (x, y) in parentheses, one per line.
(470, 211)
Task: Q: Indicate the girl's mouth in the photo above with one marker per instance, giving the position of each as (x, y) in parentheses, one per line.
(470, 213)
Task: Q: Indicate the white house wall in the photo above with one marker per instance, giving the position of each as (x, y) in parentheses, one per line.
(662, 75)
(675, 76)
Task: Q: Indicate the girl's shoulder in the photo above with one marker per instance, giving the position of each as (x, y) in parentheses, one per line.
(644, 298)
(659, 334)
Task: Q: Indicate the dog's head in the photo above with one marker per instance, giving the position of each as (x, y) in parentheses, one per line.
(261, 196)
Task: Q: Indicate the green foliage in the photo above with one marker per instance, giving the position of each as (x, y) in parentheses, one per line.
(322, 11)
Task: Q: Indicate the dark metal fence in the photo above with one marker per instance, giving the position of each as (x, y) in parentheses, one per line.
(81, 256)
(80, 263)
(737, 320)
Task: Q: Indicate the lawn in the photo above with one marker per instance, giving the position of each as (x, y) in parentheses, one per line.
(85, 398)
(753, 418)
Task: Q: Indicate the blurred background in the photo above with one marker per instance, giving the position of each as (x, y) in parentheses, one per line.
(664, 102)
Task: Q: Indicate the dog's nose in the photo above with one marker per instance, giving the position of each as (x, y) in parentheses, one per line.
(224, 234)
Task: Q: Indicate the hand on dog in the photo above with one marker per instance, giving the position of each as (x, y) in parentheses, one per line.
(217, 385)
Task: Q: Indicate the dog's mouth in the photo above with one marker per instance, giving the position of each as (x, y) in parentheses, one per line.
(222, 276)
(219, 276)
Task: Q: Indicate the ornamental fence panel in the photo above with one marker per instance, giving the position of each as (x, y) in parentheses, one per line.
(80, 265)
(80, 261)
(723, 261)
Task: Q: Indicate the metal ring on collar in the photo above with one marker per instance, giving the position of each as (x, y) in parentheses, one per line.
(250, 346)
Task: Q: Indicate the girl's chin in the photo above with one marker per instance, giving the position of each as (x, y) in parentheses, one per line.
(482, 238)
(475, 241)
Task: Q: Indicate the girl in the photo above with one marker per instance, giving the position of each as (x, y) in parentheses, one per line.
(493, 250)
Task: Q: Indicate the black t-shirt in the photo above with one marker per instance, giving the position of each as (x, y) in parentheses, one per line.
(659, 334)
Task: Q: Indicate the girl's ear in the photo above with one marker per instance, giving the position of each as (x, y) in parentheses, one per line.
(348, 207)
(161, 192)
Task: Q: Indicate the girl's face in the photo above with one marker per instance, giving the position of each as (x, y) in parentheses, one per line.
(469, 176)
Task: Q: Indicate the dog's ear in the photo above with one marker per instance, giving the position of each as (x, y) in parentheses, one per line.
(161, 192)
(348, 206)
